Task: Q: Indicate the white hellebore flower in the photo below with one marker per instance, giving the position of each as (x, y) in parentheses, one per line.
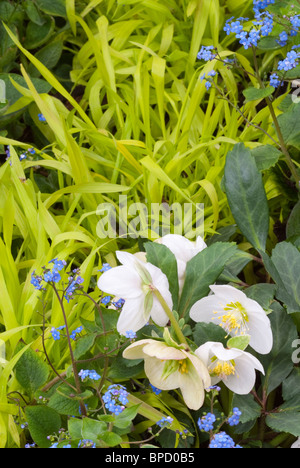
(171, 367)
(183, 249)
(296, 444)
(236, 314)
(135, 281)
(236, 368)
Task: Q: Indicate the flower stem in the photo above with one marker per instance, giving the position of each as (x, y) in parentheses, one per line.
(282, 144)
(171, 317)
(75, 372)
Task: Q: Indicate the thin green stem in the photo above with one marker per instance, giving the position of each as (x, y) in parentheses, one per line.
(279, 439)
(283, 147)
(171, 317)
(75, 372)
(46, 354)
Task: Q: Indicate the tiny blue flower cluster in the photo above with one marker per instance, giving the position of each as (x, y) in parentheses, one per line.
(115, 398)
(55, 445)
(130, 334)
(22, 156)
(206, 423)
(53, 276)
(55, 332)
(36, 281)
(155, 390)
(85, 374)
(263, 26)
(165, 422)
(207, 77)
(291, 60)
(42, 118)
(106, 300)
(274, 80)
(206, 53)
(76, 332)
(105, 267)
(49, 275)
(119, 303)
(235, 418)
(74, 282)
(222, 440)
(86, 443)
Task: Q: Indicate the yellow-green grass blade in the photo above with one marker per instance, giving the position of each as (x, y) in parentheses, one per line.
(45, 72)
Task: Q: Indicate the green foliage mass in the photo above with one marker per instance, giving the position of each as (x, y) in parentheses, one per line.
(127, 116)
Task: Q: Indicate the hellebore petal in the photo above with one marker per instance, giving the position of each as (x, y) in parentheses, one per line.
(120, 281)
(236, 314)
(184, 250)
(170, 367)
(236, 368)
(135, 282)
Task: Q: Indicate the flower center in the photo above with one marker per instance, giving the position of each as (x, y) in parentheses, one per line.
(235, 318)
(183, 368)
(222, 369)
(172, 366)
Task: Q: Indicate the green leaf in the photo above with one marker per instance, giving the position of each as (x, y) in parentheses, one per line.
(247, 405)
(254, 94)
(125, 418)
(48, 56)
(239, 342)
(111, 439)
(120, 369)
(33, 13)
(288, 122)
(204, 332)
(52, 7)
(269, 43)
(75, 428)
(93, 429)
(84, 344)
(234, 266)
(285, 421)
(284, 268)
(162, 257)
(263, 293)
(246, 195)
(202, 271)
(278, 363)
(8, 50)
(12, 94)
(265, 156)
(293, 223)
(63, 404)
(31, 371)
(6, 11)
(291, 385)
(42, 422)
(38, 35)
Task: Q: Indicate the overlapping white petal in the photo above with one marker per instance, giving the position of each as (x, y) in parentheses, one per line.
(237, 314)
(128, 281)
(236, 368)
(188, 372)
(184, 250)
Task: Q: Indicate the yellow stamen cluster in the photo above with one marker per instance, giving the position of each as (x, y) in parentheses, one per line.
(183, 368)
(235, 318)
(224, 368)
(229, 322)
